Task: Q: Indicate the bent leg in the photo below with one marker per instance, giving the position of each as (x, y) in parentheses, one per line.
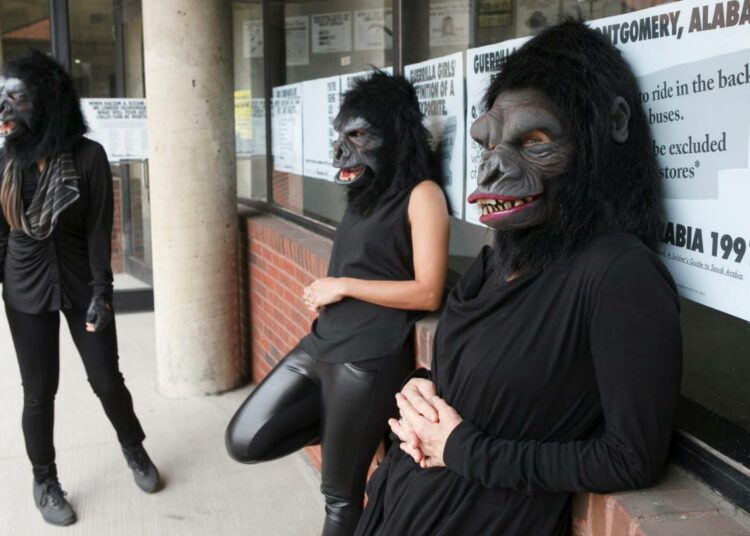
(36, 340)
(358, 400)
(100, 359)
(280, 416)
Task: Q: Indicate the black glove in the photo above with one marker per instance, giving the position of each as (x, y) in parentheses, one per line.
(99, 312)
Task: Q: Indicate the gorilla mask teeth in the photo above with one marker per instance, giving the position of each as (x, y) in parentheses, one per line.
(489, 206)
(350, 174)
(6, 127)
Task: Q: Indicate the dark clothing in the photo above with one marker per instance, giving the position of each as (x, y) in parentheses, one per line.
(344, 406)
(566, 380)
(375, 248)
(72, 265)
(36, 339)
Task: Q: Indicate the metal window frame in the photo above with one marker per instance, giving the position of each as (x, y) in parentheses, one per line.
(60, 31)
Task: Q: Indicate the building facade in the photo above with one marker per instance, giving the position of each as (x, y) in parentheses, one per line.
(273, 82)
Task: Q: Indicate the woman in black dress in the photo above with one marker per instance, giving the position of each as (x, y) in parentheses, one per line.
(387, 266)
(557, 359)
(55, 246)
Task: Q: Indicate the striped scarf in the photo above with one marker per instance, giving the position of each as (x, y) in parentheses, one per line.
(56, 190)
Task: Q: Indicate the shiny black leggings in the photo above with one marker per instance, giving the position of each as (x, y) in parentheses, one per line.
(36, 339)
(344, 406)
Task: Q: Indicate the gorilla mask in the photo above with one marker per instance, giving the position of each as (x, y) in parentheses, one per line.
(354, 152)
(40, 114)
(524, 145)
(565, 151)
(16, 107)
(382, 144)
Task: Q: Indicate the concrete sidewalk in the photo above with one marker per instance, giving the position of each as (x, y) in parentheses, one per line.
(206, 492)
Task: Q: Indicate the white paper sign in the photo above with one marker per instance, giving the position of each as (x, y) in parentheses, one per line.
(332, 32)
(297, 40)
(119, 125)
(481, 64)
(373, 29)
(348, 80)
(449, 23)
(286, 125)
(321, 100)
(692, 60)
(440, 89)
(258, 147)
(252, 39)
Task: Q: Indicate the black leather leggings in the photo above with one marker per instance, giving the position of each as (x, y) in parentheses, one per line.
(344, 406)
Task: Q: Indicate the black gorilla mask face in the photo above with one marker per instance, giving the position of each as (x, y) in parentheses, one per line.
(354, 152)
(16, 108)
(524, 146)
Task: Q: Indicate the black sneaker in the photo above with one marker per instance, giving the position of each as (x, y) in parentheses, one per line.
(145, 473)
(50, 499)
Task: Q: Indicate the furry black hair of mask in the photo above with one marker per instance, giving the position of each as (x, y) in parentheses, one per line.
(57, 121)
(611, 186)
(389, 103)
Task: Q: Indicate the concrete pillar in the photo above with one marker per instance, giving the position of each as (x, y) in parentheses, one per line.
(189, 91)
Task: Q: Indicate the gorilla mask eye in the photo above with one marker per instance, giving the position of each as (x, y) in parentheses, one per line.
(358, 133)
(535, 137)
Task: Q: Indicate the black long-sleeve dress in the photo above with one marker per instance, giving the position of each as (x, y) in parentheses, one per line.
(566, 381)
(66, 269)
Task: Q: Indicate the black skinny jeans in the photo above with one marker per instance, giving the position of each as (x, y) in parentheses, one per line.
(344, 406)
(36, 339)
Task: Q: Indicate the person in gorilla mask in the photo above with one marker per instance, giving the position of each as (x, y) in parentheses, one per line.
(387, 267)
(55, 248)
(557, 358)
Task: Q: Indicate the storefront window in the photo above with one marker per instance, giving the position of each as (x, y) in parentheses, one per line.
(322, 47)
(92, 47)
(24, 24)
(249, 99)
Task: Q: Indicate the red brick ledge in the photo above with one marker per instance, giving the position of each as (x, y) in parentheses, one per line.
(280, 258)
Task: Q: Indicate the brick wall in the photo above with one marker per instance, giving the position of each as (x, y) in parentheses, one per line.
(279, 259)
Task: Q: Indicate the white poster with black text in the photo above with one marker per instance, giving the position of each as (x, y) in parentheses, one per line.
(440, 89)
(286, 127)
(320, 105)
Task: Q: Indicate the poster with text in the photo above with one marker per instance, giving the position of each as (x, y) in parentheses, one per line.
(297, 40)
(348, 80)
(119, 125)
(373, 29)
(252, 39)
(439, 84)
(286, 125)
(449, 23)
(243, 122)
(320, 104)
(332, 32)
(692, 60)
(481, 64)
(258, 119)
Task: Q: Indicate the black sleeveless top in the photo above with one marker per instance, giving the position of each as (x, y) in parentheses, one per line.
(376, 247)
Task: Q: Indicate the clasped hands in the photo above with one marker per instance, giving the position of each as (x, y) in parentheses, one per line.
(425, 424)
(322, 292)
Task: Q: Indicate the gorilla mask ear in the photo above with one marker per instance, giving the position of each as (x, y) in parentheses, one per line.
(619, 119)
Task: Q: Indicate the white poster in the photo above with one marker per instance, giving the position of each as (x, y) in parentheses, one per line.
(692, 60)
(373, 29)
(332, 32)
(320, 104)
(481, 64)
(119, 125)
(297, 40)
(252, 39)
(439, 84)
(286, 125)
(347, 80)
(449, 23)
